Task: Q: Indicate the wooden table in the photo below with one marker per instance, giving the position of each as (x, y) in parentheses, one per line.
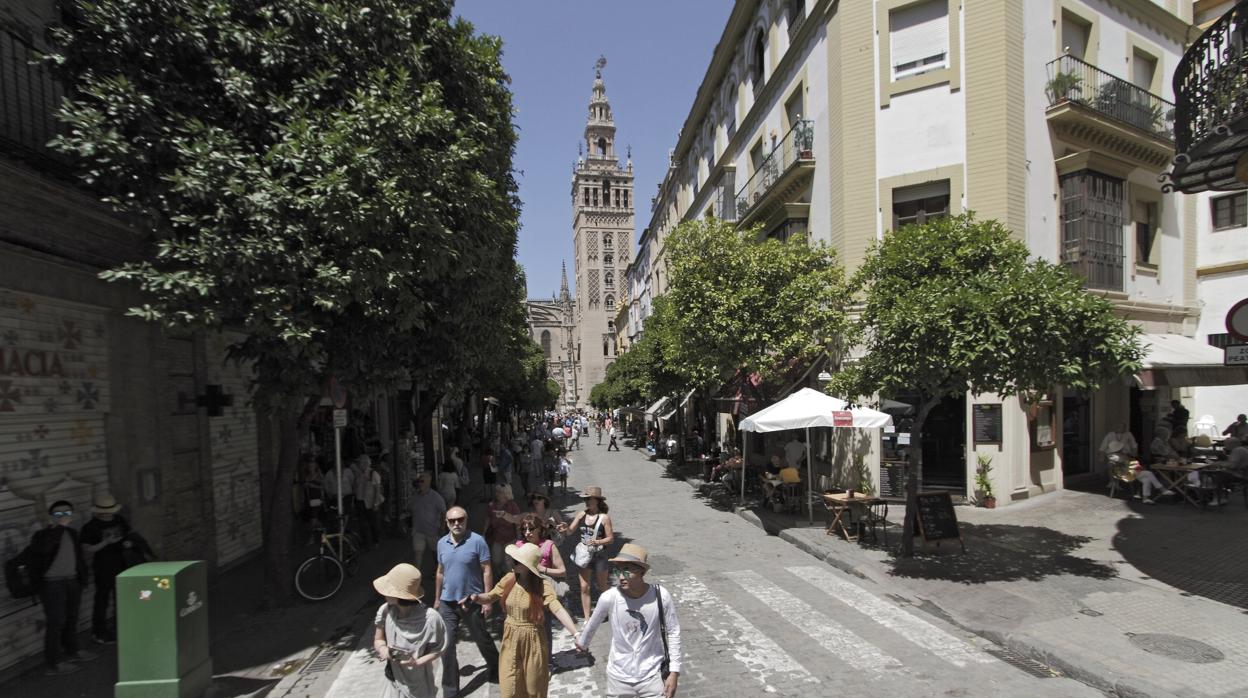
(1174, 476)
(839, 504)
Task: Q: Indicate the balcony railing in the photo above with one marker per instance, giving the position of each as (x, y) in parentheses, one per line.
(1074, 81)
(29, 98)
(797, 145)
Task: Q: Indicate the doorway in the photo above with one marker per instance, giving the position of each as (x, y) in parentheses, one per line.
(1076, 435)
(944, 444)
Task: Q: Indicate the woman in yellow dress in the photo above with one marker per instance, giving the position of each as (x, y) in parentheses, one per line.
(524, 663)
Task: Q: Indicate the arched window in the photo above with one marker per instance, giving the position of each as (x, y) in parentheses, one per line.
(756, 60)
(609, 302)
(607, 240)
(546, 343)
(607, 259)
(602, 147)
(606, 192)
(608, 279)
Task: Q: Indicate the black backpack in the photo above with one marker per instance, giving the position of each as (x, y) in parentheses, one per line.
(18, 576)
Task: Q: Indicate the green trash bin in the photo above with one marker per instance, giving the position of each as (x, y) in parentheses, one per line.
(162, 630)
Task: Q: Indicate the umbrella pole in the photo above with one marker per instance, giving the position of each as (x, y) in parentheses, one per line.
(745, 449)
(810, 511)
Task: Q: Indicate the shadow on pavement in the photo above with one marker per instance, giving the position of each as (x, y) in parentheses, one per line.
(235, 686)
(1000, 553)
(1201, 553)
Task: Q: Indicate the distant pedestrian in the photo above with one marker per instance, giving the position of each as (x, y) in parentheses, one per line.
(593, 531)
(60, 571)
(348, 490)
(576, 434)
(463, 570)
(369, 497)
(500, 526)
(598, 429)
(536, 448)
(461, 469)
(527, 598)
(1178, 417)
(539, 504)
(645, 631)
(611, 440)
(448, 483)
(564, 468)
(407, 635)
(428, 510)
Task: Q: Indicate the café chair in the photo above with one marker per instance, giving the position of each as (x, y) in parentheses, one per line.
(791, 495)
(876, 514)
(1121, 474)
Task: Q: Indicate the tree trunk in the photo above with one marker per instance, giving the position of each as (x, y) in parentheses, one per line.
(914, 473)
(276, 513)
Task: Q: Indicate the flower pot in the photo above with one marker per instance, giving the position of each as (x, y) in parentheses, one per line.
(990, 502)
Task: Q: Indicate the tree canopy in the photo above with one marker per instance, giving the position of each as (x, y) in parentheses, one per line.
(955, 306)
(330, 178)
(741, 303)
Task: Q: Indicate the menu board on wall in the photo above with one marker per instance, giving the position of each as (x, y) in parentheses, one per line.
(986, 423)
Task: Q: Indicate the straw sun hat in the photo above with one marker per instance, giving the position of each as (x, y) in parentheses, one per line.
(526, 554)
(593, 492)
(401, 582)
(631, 553)
(105, 503)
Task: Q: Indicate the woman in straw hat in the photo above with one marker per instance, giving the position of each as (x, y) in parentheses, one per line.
(409, 635)
(593, 531)
(524, 663)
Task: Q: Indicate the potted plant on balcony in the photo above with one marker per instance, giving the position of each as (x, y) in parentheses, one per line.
(983, 481)
(1064, 87)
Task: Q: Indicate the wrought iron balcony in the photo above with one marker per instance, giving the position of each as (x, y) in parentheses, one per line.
(29, 98)
(1074, 81)
(790, 154)
(1211, 126)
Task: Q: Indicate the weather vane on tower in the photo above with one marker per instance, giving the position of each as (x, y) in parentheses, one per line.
(599, 65)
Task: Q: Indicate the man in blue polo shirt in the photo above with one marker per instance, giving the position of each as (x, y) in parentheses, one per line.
(463, 570)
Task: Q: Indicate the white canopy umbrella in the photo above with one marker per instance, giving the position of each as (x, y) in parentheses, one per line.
(805, 409)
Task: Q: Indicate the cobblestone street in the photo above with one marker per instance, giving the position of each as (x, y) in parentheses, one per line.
(759, 617)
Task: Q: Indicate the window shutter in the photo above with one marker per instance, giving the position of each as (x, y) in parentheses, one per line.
(919, 35)
(1074, 36)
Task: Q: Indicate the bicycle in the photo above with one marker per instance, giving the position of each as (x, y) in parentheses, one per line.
(321, 576)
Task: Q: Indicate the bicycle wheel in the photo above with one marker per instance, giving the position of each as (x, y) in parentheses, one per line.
(351, 553)
(319, 577)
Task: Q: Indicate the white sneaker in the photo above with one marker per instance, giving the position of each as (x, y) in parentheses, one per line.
(1137, 496)
(1149, 500)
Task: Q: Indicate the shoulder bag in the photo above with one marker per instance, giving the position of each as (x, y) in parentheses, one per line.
(584, 554)
(665, 667)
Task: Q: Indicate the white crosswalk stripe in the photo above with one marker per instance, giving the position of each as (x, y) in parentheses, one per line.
(764, 659)
(830, 635)
(915, 629)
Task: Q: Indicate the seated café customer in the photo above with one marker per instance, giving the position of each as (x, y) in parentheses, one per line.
(729, 465)
(1238, 429)
(787, 475)
(1161, 449)
(1119, 445)
(1236, 471)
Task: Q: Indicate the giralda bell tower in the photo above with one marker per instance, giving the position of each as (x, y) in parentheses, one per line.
(602, 238)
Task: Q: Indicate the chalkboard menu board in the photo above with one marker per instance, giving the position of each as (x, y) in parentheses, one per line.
(893, 480)
(936, 518)
(986, 423)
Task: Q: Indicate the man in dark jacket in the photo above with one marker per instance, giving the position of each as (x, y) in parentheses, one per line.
(103, 536)
(61, 571)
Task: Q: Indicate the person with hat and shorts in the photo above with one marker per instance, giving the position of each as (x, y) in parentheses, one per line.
(592, 527)
(102, 537)
(527, 596)
(645, 632)
(408, 635)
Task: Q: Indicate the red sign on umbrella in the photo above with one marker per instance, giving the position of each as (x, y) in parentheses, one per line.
(842, 418)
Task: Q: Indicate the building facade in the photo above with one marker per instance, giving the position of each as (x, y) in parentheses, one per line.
(602, 240)
(552, 325)
(842, 121)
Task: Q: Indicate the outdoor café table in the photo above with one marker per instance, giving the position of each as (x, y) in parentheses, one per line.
(1174, 476)
(840, 504)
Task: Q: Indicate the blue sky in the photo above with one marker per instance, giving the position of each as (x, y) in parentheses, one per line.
(657, 52)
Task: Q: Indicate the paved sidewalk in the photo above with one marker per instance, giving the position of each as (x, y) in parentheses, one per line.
(1136, 600)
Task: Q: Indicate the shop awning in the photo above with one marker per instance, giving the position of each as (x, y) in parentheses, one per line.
(1173, 360)
(656, 407)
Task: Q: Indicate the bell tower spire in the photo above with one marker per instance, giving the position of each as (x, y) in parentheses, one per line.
(564, 295)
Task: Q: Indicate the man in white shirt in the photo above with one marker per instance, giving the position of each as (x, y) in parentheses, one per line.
(635, 665)
(795, 451)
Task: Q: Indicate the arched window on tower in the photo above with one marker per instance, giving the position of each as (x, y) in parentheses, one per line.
(608, 279)
(602, 147)
(607, 240)
(546, 343)
(607, 259)
(609, 302)
(606, 192)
